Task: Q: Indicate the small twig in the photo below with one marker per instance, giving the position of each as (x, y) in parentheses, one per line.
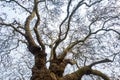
(85, 61)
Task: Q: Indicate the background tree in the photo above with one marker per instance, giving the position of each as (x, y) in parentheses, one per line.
(44, 36)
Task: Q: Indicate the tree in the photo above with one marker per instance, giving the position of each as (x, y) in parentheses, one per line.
(88, 30)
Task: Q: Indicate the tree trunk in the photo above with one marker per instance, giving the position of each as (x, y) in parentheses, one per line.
(57, 67)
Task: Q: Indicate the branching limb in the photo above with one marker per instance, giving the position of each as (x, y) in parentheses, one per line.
(99, 73)
(70, 17)
(66, 50)
(28, 36)
(12, 26)
(90, 33)
(36, 26)
(78, 41)
(59, 40)
(87, 70)
(60, 32)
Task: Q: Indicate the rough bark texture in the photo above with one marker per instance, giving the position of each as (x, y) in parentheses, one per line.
(56, 69)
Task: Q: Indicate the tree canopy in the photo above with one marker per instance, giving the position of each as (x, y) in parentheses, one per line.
(59, 39)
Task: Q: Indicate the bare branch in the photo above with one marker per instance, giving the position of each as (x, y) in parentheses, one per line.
(65, 18)
(70, 17)
(101, 61)
(59, 40)
(78, 41)
(82, 71)
(98, 73)
(87, 70)
(89, 34)
(27, 28)
(36, 26)
(12, 26)
(66, 50)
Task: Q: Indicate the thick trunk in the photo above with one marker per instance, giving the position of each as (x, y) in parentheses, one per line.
(41, 74)
(57, 67)
(39, 70)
